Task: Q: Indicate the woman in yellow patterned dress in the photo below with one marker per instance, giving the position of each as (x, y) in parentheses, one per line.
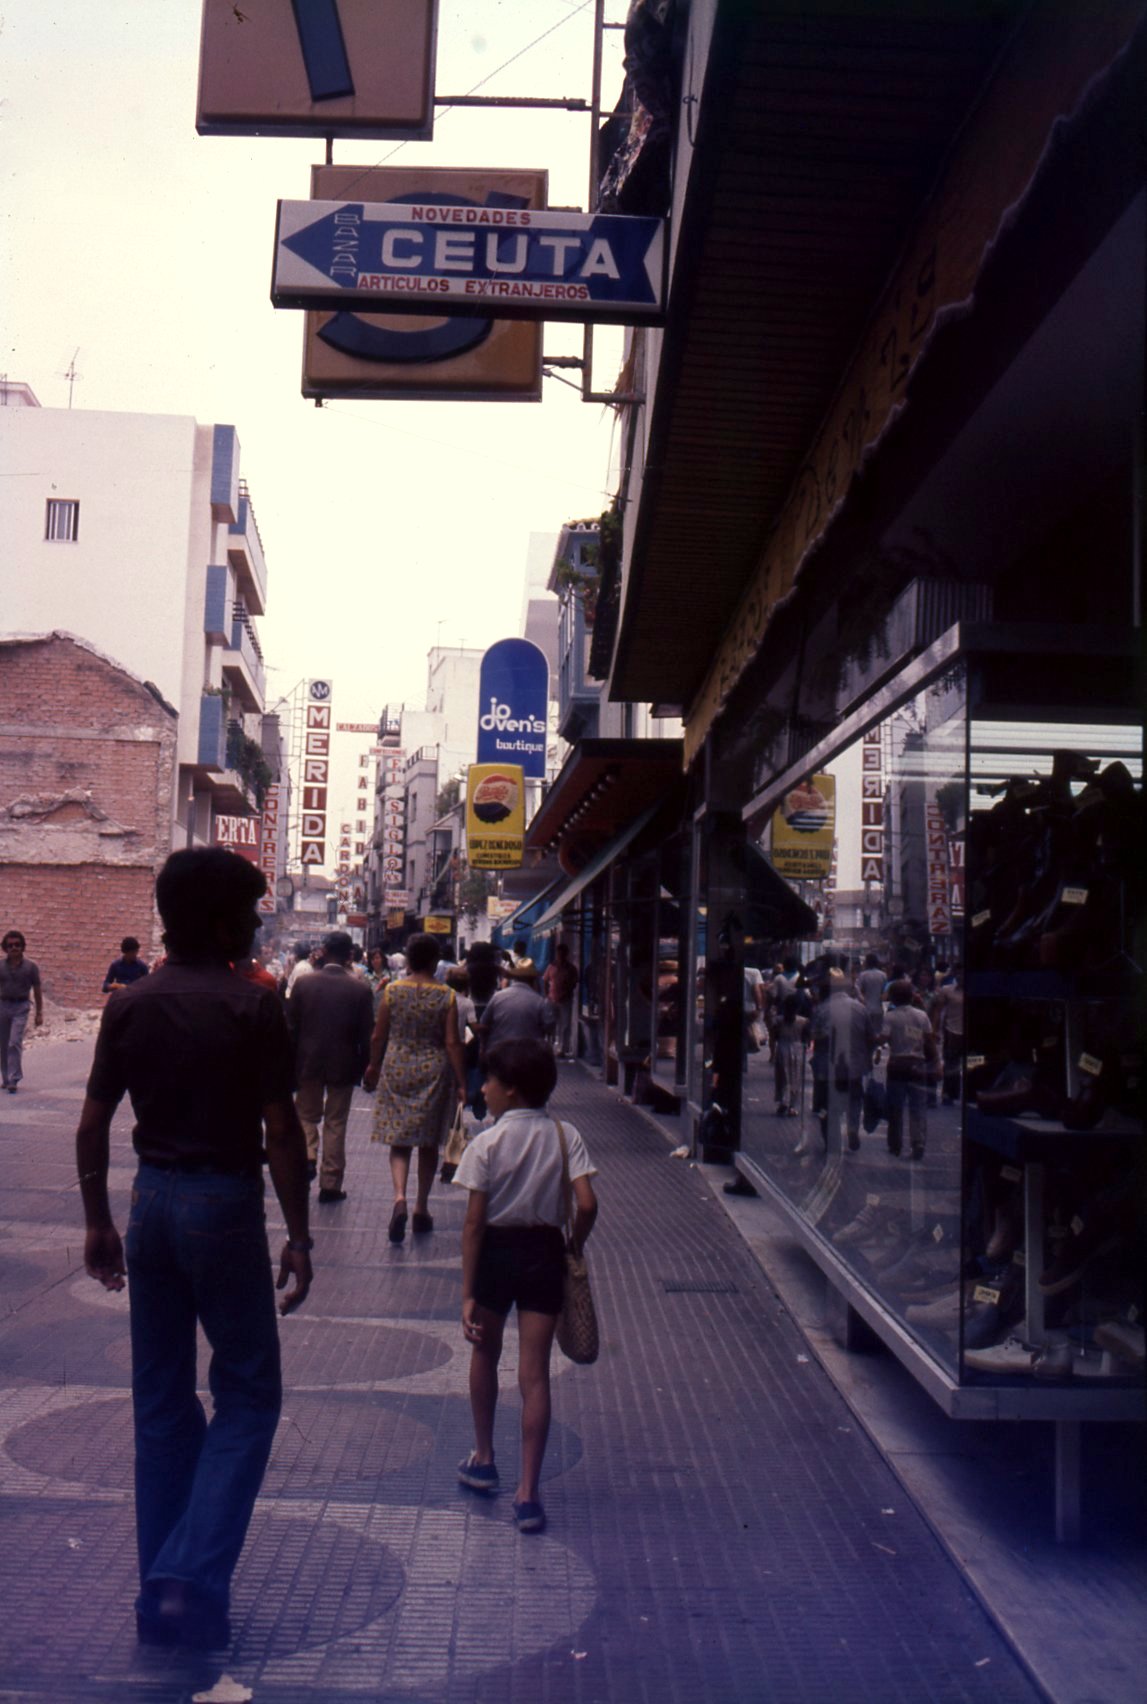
(416, 1060)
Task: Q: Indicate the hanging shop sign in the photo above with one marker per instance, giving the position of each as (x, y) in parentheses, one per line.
(513, 706)
(438, 924)
(498, 909)
(271, 842)
(317, 68)
(495, 815)
(427, 355)
(514, 262)
(239, 834)
(316, 774)
(804, 829)
(939, 884)
(872, 808)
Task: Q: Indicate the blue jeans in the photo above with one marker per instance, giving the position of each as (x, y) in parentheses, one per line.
(196, 1251)
(907, 1097)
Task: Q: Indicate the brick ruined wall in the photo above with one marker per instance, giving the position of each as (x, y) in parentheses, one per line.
(87, 773)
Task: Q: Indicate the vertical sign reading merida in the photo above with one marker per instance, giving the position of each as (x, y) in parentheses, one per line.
(513, 706)
(316, 774)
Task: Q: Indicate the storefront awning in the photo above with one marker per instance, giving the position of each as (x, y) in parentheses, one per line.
(523, 917)
(773, 910)
(552, 916)
(603, 784)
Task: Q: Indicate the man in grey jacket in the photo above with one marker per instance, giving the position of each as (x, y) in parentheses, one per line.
(517, 1012)
(330, 1016)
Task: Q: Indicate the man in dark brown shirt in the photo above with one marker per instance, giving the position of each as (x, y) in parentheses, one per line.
(330, 1016)
(206, 1060)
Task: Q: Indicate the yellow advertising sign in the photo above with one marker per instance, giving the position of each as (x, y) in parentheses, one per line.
(437, 924)
(804, 828)
(495, 815)
(424, 356)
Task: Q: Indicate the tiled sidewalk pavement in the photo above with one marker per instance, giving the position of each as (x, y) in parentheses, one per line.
(720, 1529)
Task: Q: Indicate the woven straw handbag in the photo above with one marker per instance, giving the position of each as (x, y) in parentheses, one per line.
(577, 1333)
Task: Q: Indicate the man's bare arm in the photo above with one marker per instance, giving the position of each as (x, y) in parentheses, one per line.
(103, 1251)
(287, 1163)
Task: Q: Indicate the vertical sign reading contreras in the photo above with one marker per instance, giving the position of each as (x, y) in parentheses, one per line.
(270, 852)
(316, 775)
(939, 892)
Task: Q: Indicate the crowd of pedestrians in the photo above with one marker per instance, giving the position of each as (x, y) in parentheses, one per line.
(836, 1023)
(232, 1065)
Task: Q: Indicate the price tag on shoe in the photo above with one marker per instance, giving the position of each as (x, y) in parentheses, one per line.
(985, 1293)
(1089, 1063)
(1074, 896)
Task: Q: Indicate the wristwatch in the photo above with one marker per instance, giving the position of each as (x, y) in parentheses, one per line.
(300, 1245)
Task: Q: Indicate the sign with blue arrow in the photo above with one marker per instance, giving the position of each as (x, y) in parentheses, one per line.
(514, 263)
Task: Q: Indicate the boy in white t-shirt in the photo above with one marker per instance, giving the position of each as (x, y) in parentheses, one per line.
(513, 1253)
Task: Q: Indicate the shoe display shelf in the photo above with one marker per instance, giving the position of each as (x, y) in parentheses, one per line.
(1029, 738)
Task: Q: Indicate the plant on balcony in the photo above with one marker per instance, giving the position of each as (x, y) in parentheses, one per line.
(245, 756)
(584, 579)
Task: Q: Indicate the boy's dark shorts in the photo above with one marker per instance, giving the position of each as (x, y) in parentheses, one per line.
(523, 1265)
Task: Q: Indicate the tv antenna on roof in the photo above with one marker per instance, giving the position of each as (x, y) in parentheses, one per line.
(71, 375)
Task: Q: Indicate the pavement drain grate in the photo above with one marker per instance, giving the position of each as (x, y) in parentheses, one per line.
(698, 1287)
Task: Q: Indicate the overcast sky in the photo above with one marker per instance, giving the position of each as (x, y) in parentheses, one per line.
(388, 526)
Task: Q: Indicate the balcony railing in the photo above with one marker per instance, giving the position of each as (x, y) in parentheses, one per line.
(243, 662)
(245, 554)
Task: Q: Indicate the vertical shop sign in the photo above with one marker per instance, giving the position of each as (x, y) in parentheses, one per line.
(391, 765)
(956, 873)
(872, 808)
(271, 843)
(316, 774)
(939, 892)
(513, 706)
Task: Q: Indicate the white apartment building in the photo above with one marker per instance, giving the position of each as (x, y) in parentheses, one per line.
(136, 533)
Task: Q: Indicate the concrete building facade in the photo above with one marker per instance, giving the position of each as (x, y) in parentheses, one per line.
(136, 532)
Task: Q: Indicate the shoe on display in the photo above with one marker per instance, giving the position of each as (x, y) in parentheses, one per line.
(1008, 1358)
(1124, 1340)
(1007, 1233)
(982, 1325)
(1054, 1360)
(871, 1217)
(1075, 1255)
(943, 1313)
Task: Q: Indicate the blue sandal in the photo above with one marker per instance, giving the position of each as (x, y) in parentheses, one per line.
(530, 1517)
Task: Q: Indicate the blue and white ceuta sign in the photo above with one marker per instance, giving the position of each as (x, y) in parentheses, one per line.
(512, 262)
(513, 706)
